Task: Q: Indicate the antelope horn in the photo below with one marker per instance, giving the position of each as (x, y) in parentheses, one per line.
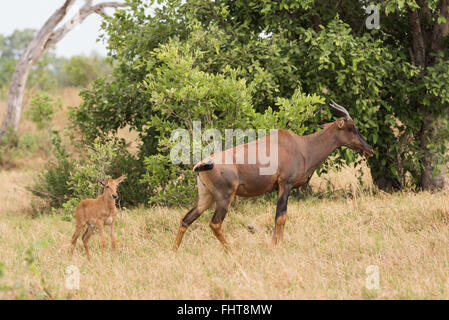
(340, 108)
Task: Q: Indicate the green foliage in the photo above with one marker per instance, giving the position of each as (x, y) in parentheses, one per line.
(361, 73)
(8, 144)
(11, 48)
(50, 71)
(65, 181)
(15, 146)
(52, 183)
(84, 181)
(79, 71)
(7, 66)
(43, 75)
(265, 63)
(298, 113)
(30, 143)
(178, 93)
(13, 45)
(42, 110)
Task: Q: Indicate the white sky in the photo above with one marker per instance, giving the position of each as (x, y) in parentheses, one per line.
(21, 14)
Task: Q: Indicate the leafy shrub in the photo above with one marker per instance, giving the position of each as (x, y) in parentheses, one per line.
(8, 144)
(79, 71)
(29, 143)
(65, 181)
(42, 110)
(7, 66)
(177, 93)
(42, 75)
(52, 183)
(14, 146)
(181, 93)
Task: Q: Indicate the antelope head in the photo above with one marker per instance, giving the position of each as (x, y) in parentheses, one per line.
(348, 135)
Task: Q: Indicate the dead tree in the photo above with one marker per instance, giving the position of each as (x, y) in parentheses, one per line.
(46, 38)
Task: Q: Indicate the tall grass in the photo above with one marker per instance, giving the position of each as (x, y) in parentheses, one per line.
(328, 246)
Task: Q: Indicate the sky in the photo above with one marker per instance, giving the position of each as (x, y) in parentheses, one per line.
(22, 14)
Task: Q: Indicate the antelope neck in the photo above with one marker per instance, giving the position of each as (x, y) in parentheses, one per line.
(318, 146)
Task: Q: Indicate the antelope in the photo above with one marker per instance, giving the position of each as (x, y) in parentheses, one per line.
(298, 157)
(95, 213)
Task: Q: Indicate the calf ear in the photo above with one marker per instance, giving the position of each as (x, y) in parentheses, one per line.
(120, 179)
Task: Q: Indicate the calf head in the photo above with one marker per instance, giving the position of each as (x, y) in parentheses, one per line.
(111, 185)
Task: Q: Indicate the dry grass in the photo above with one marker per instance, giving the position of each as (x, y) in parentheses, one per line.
(328, 245)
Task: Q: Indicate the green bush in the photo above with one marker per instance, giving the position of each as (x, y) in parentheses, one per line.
(29, 143)
(13, 145)
(52, 183)
(79, 71)
(42, 110)
(43, 74)
(65, 181)
(7, 66)
(179, 93)
(8, 144)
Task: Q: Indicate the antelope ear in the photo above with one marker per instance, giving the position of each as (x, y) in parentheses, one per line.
(341, 123)
(120, 179)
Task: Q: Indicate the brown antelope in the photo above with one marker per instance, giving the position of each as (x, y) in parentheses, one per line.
(297, 158)
(95, 213)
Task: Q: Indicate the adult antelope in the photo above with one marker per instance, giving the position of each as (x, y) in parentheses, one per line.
(297, 159)
(95, 213)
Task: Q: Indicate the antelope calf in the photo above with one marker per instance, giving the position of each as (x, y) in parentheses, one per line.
(296, 161)
(95, 213)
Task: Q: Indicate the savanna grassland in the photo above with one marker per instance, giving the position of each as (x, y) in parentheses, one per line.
(331, 236)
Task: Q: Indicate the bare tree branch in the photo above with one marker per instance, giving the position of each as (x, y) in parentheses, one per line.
(86, 10)
(44, 39)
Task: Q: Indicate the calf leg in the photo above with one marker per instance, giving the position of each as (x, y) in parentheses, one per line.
(281, 213)
(113, 238)
(205, 200)
(75, 236)
(100, 228)
(86, 236)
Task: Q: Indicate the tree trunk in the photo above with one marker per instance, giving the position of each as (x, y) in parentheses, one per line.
(44, 39)
(427, 42)
(430, 180)
(15, 95)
